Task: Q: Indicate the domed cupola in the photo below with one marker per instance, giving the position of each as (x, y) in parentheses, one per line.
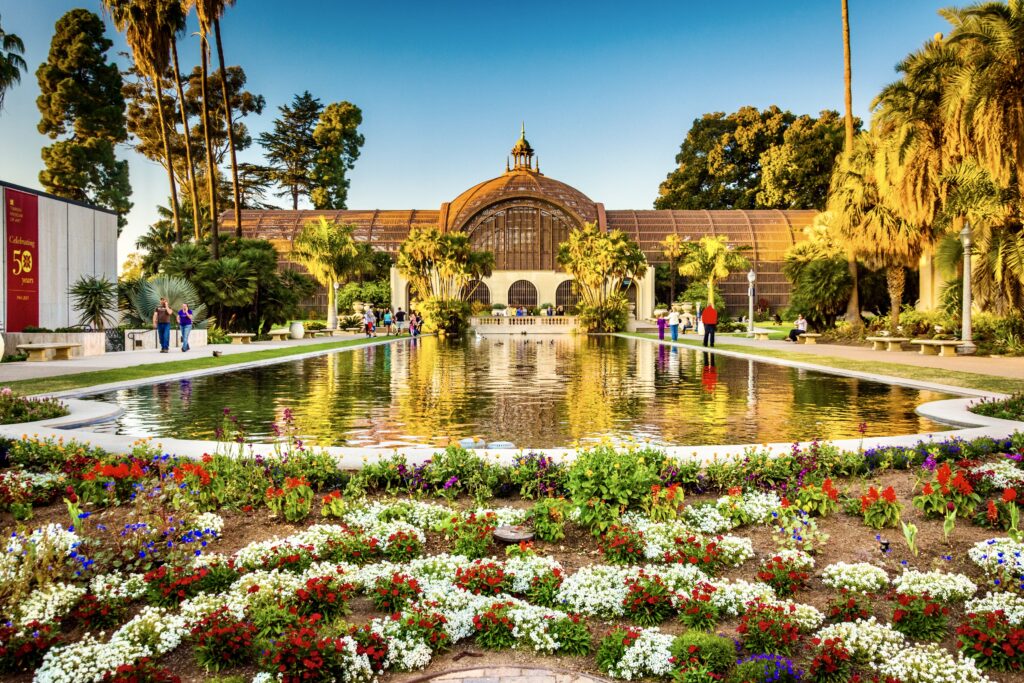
(522, 154)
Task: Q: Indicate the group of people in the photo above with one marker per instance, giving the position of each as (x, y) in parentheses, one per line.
(392, 323)
(162, 318)
(708, 318)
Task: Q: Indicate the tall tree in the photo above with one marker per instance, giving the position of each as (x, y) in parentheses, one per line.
(853, 305)
(209, 13)
(145, 129)
(712, 259)
(11, 62)
(338, 140)
(80, 102)
(175, 17)
(145, 28)
(290, 147)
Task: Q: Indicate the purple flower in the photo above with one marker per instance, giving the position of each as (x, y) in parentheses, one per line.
(451, 482)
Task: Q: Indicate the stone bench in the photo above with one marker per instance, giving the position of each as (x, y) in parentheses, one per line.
(241, 337)
(38, 352)
(760, 335)
(808, 338)
(937, 347)
(319, 333)
(887, 343)
(278, 335)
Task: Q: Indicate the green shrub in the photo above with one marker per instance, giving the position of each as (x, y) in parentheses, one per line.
(548, 517)
(717, 653)
(611, 316)
(603, 482)
(449, 315)
(1008, 409)
(697, 293)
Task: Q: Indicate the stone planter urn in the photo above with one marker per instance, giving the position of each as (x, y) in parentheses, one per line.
(1, 346)
(687, 307)
(357, 307)
(296, 330)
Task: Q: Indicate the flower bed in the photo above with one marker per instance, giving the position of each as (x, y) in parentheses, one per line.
(283, 568)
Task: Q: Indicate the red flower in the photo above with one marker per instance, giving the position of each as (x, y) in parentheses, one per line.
(889, 495)
(1009, 495)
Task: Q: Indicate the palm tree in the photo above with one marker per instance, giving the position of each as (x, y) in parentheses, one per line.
(175, 17)
(853, 305)
(672, 249)
(862, 201)
(157, 242)
(11, 63)
(987, 88)
(209, 13)
(712, 259)
(147, 34)
(327, 250)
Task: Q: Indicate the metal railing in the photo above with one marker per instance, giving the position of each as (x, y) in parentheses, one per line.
(524, 321)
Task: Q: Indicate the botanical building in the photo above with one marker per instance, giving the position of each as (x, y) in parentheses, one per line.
(523, 215)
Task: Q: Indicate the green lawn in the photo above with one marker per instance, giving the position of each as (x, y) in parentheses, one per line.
(49, 385)
(969, 380)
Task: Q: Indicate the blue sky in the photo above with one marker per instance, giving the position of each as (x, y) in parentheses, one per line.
(607, 89)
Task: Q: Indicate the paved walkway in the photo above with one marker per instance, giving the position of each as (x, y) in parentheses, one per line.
(1010, 368)
(12, 372)
(509, 674)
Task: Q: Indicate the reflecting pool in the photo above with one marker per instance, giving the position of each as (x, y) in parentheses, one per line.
(535, 392)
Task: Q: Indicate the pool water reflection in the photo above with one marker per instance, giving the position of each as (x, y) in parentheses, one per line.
(536, 392)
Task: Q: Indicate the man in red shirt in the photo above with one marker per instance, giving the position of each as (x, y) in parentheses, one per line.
(709, 316)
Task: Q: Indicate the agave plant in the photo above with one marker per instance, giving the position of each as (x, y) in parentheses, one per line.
(96, 300)
(147, 295)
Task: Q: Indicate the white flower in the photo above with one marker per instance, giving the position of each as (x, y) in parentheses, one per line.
(49, 603)
(930, 664)
(116, 586)
(595, 590)
(860, 577)
(706, 519)
(939, 585)
(735, 550)
(731, 597)
(866, 639)
(1001, 473)
(757, 506)
(807, 617)
(649, 655)
(800, 560)
(998, 556)
(521, 571)
(1011, 604)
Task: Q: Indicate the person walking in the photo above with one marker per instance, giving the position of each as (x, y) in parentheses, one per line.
(162, 317)
(368, 321)
(387, 320)
(799, 329)
(662, 323)
(673, 324)
(709, 316)
(185, 315)
(400, 320)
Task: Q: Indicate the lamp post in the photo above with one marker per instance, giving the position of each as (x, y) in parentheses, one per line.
(751, 278)
(967, 346)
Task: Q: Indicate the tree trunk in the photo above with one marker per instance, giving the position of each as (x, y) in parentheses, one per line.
(295, 197)
(853, 303)
(189, 166)
(895, 278)
(847, 79)
(231, 132)
(711, 291)
(211, 167)
(332, 308)
(158, 90)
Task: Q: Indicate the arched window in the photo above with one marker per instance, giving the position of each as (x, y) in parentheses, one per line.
(568, 296)
(476, 292)
(522, 293)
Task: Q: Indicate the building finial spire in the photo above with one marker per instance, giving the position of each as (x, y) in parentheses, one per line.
(522, 153)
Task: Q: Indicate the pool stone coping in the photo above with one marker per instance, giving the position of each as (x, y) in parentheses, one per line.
(83, 412)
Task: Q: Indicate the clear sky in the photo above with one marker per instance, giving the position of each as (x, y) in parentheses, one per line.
(607, 89)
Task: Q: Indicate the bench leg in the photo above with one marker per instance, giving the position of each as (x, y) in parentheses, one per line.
(62, 354)
(236, 340)
(808, 340)
(36, 355)
(894, 346)
(927, 350)
(246, 340)
(947, 351)
(877, 346)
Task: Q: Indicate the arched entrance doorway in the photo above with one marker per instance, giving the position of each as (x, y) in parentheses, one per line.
(631, 293)
(568, 296)
(476, 292)
(522, 293)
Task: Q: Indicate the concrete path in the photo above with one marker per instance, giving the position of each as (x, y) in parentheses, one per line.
(508, 674)
(1010, 368)
(12, 372)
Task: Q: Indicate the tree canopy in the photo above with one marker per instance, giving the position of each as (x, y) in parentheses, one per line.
(754, 159)
(11, 62)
